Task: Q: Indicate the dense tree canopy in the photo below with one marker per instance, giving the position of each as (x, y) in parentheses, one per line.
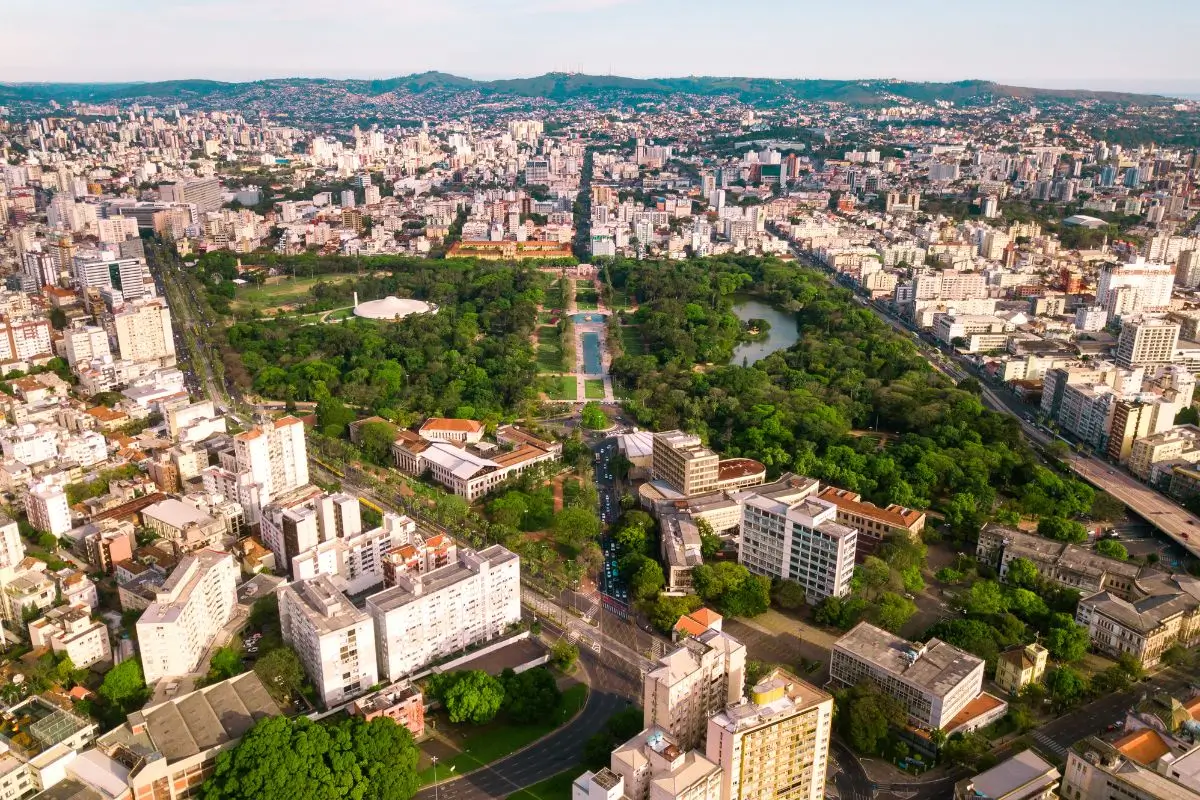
(282, 758)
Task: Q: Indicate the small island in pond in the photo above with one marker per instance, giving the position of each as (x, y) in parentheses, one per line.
(756, 330)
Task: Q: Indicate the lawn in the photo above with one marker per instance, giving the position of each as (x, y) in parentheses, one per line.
(561, 387)
(549, 354)
(556, 787)
(593, 389)
(631, 340)
(494, 741)
(587, 299)
(286, 290)
(340, 314)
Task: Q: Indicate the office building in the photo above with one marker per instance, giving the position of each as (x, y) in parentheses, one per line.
(1146, 342)
(683, 463)
(936, 682)
(190, 607)
(144, 333)
(476, 469)
(433, 614)
(799, 541)
(692, 683)
(334, 640)
(1025, 776)
(775, 743)
(1165, 612)
(47, 509)
(70, 630)
(203, 193)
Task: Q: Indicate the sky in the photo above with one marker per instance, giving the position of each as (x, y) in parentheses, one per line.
(1098, 44)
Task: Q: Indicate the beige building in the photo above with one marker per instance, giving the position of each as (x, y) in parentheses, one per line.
(144, 333)
(1025, 776)
(653, 766)
(1019, 666)
(1101, 770)
(71, 630)
(184, 525)
(689, 685)
(1167, 613)
(775, 743)
(682, 461)
(874, 524)
(1066, 564)
(1181, 442)
(1145, 342)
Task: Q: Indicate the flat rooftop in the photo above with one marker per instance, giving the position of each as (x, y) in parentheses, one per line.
(1025, 772)
(936, 667)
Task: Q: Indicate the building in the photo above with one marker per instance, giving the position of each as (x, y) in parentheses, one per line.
(1181, 443)
(1166, 613)
(428, 615)
(184, 525)
(1019, 666)
(84, 343)
(71, 630)
(683, 462)
(125, 277)
(1150, 286)
(692, 683)
(775, 743)
(12, 549)
(1025, 776)
(934, 681)
(652, 766)
(167, 751)
(47, 509)
(602, 785)
(873, 524)
(203, 193)
(468, 469)
(1065, 564)
(1101, 770)
(1146, 342)
(972, 333)
(144, 333)
(194, 603)
(401, 701)
(334, 640)
(270, 460)
(799, 541)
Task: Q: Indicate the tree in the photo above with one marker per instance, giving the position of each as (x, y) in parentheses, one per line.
(1106, 507)
(967, 750)
(874, 572)
(865, 716)
(983, 598)
(1112, 549)
(892, 611)
(710, 542)
(647, 581)
(732, 588)
(473, 697)
(225, 663)
(593, 417)
(281, 672)
(333, 417)
(375, 439)
(1022, 572)
(1131, 666)
(529, 696)
(1068, 643)
(1063, 530)
(789, 594)
(450, 508)
(1186, 416)
(288, 757)
(1179, 656)
(665, 611)
(563, 655)
(1066, 687)
(124, 687)
(575, 527)
(949, 575)
(914, 582)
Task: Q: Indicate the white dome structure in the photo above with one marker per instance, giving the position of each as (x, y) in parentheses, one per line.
(393, 308)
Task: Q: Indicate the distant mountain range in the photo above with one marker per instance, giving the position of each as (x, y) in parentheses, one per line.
(558, 86)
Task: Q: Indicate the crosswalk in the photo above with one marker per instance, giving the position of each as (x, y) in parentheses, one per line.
(1048, 744)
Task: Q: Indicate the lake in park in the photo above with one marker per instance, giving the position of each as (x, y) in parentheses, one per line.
(783, 334)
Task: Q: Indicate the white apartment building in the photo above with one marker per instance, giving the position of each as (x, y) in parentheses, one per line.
(29, 443)
(270, 459)
(194, 422)
(653, 766)
(1091, 318)
(334, 640)
(977, 332)
(1146, 342)
(71, 630)
(692, 683)
(144, 333)
(12, 549)
(47, 509)
(195, 601)
(82, 344)
(23, 340)
(355, 561)
(934, 681)
(1149, 286)
(107, 271)
(433, 614)
(775, 743)
(800, 541)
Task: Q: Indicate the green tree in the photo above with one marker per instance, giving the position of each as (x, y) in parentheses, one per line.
(593, 417)
(892, 611)
(225, 663)
(124, 687)
(1068, 643)
(789, 595)
(1107, 508)
(288, 757)
(376, 439)
(732, 589)
(710, 542)
(563, 655)
(983, 598)
(874, 572)
(575, 527)
(1022, 572)
(474, 697)
(949, 575)
(1113, 549)
(530, 696)
(1066, 687)
(1063, 530)
(648, 581)
(333, 417)
(913, 580)
(865, 716)
(281, 672)
(665, 611)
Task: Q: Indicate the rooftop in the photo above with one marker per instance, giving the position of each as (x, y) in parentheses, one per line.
(936, 667)
(779, 693)
(1024, 775)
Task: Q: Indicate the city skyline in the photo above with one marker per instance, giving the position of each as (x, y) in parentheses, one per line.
(1030, 45)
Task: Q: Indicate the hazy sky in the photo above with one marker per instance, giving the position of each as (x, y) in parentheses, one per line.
(1147, 45)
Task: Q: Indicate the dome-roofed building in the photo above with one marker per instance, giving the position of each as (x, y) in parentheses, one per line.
(393, 308)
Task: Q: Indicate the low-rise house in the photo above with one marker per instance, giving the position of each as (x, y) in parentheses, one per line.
(401, 702)
(1020, 666)
(71, 630)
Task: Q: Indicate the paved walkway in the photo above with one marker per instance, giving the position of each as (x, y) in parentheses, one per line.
(601, 331)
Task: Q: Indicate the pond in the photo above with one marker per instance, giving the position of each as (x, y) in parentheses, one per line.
(783, 333)
(591, 354)
(587, 317)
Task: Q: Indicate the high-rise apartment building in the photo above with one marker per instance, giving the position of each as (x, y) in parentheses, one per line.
(85, 343)
(653, 766)
(47, 509)
(800, 541)
(334, 640)
(1146, 342)
(204, 193)
(1150, 283)
(126, 276)
(192, 605)
(144, 333)
(12, 549)
(270, 460)
(775, 743)
(692, 683)
(428, 615)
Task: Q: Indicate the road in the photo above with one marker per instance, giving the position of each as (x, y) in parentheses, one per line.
(561, 750)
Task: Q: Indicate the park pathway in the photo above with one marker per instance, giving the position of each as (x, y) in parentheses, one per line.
(596, 323)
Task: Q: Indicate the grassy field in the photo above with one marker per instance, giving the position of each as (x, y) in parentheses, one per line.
(557, 787)
(494, 741)
(340, 314)
(631, 341)
(562, 387)
(593, 389)
(620, 299)
(285, 290)
(587, 299)
(549, 353)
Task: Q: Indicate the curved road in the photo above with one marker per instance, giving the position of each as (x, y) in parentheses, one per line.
(563, 749)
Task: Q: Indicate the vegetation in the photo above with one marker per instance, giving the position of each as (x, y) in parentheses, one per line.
(123, 691)
(468, 695)
(285, 757)
(865, 716)
(593, 417)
